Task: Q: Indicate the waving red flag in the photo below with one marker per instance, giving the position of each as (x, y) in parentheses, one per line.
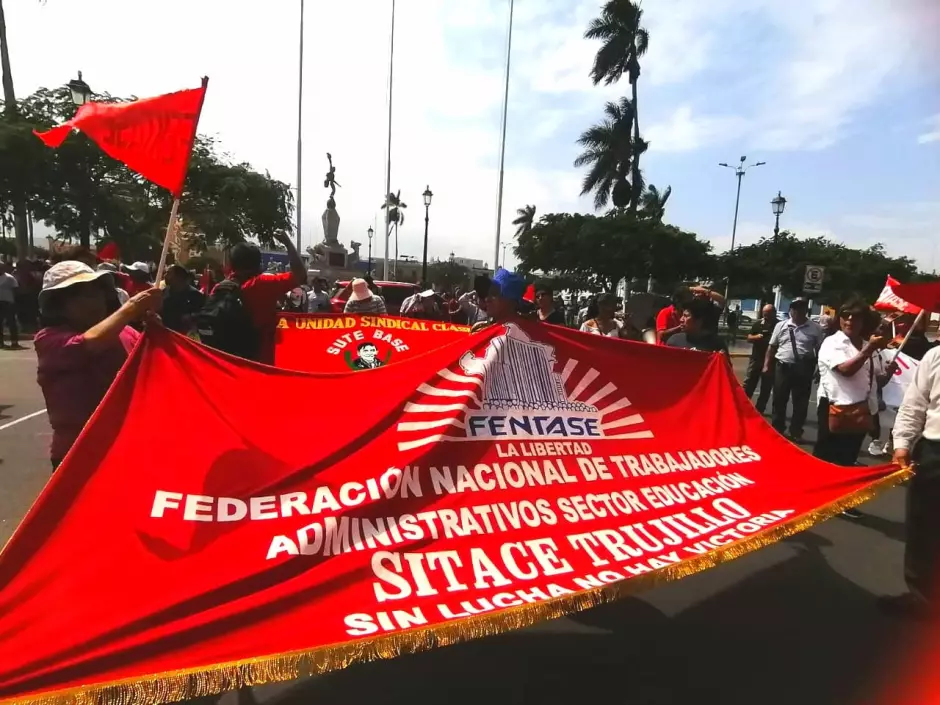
(909, 298)
(518, 474)
(152, 136)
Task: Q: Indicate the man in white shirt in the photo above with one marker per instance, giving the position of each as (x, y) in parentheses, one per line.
(8, 286)
(917, 441)
(318, 301)
(791, 358)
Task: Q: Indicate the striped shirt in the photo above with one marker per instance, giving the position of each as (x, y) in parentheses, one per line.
(374, 304)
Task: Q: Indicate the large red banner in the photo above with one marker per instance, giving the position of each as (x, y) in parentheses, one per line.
(340, 342)
(200, 537)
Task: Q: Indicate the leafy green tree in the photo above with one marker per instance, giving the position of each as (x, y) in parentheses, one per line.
(623, 42)
(596, 252)
(17, 195)
(448, 275)
(608, 152)
(755, 269)
(83, 193)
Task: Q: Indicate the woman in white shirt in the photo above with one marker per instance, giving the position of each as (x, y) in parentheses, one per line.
(604, 323)
(847, 378)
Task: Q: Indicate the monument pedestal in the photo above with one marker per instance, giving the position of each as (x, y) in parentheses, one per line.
(331, 253)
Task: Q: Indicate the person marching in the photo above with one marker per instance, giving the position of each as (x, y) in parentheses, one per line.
(84, 342)
(759, 338)
(791, 357)
(363, 300)
(502, 301)
(917, 441)
(604, 322)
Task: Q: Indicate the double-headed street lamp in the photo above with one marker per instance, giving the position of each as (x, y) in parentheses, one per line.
(778, 204)
(427, 207)
(371, 233)
(740, 170)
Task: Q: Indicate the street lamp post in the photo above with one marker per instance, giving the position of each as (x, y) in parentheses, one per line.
(371, 233)
(739, 170)
(79, 90)
(80, 93)
(427, 207)
(778, 204)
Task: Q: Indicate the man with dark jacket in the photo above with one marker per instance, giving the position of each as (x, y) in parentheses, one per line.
(759, 338)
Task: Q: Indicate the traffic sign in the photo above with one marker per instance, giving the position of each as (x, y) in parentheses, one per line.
(813, 279)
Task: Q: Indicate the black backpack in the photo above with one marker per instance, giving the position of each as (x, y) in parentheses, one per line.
(225, 324)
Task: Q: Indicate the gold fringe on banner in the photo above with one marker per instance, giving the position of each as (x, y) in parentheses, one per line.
(173, 686)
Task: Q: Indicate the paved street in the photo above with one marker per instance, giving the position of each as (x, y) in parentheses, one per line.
(792, 623)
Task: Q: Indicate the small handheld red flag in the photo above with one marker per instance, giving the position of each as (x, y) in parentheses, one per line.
(152, 136)
(909, 298)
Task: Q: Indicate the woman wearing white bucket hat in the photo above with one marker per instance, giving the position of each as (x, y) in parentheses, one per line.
(362, 300)
(84, 341)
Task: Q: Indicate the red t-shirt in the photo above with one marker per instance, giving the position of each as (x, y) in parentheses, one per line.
(667, 318)
(261, 295)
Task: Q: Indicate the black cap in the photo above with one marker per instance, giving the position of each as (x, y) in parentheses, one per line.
(799, 303)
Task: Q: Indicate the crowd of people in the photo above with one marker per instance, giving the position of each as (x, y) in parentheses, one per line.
(89, 315)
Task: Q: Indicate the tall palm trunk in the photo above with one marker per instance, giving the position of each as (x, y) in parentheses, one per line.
(396, 250)
(9, 100)
(635, 176)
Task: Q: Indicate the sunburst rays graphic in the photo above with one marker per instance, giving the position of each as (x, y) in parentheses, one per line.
(515, 374)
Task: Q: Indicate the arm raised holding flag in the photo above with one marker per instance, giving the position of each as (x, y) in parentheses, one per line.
(152, 136)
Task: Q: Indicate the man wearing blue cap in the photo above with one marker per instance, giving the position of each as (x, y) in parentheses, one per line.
(502, 302)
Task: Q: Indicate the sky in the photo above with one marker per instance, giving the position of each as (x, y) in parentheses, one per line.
(841, 99)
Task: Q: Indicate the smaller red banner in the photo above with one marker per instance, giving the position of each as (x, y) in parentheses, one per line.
(152, 136)
(339, 343)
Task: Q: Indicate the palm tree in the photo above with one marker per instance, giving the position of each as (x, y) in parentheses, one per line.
(653, 203)
(624, 42)
(396, 217)
(608, 149)
(526, 216)
(9, 106)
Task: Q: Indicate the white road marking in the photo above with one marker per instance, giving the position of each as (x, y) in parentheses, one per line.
(22, 419)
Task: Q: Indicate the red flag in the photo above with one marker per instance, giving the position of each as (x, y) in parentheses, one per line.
(336, 342)
(521, 473)
(109, 252)
(529, 294)
(909, 298)
(152, 136)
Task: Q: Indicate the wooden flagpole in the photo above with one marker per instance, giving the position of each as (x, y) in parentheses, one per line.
(174, 209)
(170, 228)
(910, 330)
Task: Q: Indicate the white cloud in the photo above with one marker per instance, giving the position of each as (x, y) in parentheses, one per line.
(933, 134)
(824, 71)
(683, 132)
